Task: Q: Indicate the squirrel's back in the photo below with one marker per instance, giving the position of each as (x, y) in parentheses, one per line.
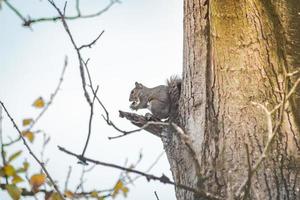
(174, 85)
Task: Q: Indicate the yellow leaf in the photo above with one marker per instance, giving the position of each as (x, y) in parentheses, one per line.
(24, 168)
(37, 180)
(69, 194)
(25, 165)
(9, 170)
(13, 192)
(55, 196)
(27, 121)
(125, 191)
(17, 179)
(39, 103)
(119, 185)
(94, 194)
(29, 135)
(14, 156)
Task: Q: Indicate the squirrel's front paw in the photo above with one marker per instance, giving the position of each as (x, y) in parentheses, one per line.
(148, 116)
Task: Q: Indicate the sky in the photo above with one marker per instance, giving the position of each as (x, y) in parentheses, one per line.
(142, 42)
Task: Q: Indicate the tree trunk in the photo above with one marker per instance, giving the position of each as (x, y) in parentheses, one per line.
(239, 63)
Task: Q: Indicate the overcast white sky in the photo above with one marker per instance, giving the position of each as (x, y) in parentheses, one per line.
(142, 42)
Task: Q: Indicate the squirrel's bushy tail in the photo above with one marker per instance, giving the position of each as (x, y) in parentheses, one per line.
(174, 84)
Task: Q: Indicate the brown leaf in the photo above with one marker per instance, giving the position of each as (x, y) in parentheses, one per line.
(119, 185)
(69, 194)
(37, 180)
(27, 121)
(9, 170)
(39, 103)
(29, 135)
(125, 190)
(17, 179)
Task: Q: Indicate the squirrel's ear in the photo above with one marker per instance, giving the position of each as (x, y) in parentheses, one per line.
(138, 85)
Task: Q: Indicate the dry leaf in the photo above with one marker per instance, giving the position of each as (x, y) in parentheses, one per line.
(17, 179)
(119, 185)
(37, 180)
(39, 103)
(14, 156)
(9, 170)
(29, 135)
(94, 194)
(125, 191)
(27, 121)
(69, 194)
(13, 191)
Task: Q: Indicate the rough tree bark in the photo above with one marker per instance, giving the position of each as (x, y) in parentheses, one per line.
(238, 54)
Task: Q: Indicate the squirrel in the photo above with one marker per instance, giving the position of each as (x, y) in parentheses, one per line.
(161, 100)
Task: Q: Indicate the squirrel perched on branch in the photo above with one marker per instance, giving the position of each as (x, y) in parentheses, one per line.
(161, 100)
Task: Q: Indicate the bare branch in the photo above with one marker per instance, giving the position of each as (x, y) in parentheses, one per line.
(146, 125)
(90, 123)
(15, 10)
(76, 195)
(287, 96)
(31, 152)
(140, 121)
(156, 195)
(78, 8)
(91, 43)
(271, 133)
(81, 67)
(162, 179)
(27, 22)
(68, 178)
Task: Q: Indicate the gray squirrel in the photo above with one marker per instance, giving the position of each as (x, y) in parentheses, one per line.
(161, 100)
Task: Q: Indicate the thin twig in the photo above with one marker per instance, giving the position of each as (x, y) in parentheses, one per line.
(81, 181)
(91, 43)
(27, 22)
(68, 178)
(31, 152)
(2, 146)
(90, 123)
(45, 142)
(78, 8)
(271, 133)
(15, 10)
(162, 179)
(125, 133)
(156, 195)
(151, 166)
(287, 96)
(81, 67)
(106, 117)
(47, 105)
